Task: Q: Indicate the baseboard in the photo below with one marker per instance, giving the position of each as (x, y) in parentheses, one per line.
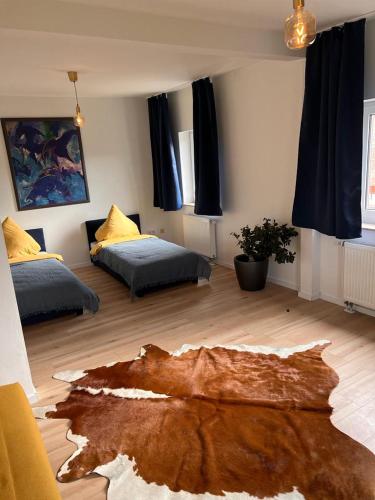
(271, 279)
(364, 310)
(308, 296)
(340, 302)
(285, 283)
(223, 263)
(87, 263)
(33, 397)
(333, 299)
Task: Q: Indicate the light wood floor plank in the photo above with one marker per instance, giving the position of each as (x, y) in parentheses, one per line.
(215, 313)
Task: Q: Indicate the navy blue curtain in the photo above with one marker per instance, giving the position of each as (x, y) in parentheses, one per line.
(167, 192)
(328, 189)
(206, 155)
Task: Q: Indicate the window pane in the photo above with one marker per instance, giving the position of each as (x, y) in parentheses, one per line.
(186, 146)
(371, 166)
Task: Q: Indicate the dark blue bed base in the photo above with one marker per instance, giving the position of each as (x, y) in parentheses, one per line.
(92, 226)
(39, 318)
(38, 236)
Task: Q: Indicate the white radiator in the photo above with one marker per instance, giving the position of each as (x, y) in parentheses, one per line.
(359, 275)
(200, 235)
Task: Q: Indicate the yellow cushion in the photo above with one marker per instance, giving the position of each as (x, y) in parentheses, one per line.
(18, 242)
(25, 472)
(117, 225)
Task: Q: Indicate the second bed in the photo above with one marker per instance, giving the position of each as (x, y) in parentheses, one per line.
(148, 264)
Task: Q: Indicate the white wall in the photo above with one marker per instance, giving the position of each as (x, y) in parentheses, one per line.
(117, 155)
(258, 110)
(14, 366)
(118, 166)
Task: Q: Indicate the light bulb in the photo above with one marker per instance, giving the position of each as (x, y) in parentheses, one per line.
(300, 27)
(79, 120)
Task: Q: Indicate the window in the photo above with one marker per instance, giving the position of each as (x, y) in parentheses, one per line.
(368, 183)
(186, 146)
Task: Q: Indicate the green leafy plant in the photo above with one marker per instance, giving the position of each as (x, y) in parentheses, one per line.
(271, 238)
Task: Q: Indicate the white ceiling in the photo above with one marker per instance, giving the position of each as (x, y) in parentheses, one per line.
(140, 47)
(106, 67)
(265, 14)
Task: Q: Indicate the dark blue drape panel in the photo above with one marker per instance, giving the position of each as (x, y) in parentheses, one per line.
(328, 190)
(167, 192)
(206, 155)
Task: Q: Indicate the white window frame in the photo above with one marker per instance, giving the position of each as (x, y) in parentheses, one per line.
(186, 147)
(368, 214)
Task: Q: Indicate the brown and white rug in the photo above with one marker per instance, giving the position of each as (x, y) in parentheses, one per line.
(206, 422)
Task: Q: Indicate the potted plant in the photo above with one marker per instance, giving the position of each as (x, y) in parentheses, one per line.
(258, 244)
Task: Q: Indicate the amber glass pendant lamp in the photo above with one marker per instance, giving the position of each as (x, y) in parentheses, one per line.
(300, 27)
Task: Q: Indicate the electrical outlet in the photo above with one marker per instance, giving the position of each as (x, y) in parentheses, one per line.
(162, 230)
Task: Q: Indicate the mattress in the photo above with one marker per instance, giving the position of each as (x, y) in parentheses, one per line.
(152, 262)
(48, 286)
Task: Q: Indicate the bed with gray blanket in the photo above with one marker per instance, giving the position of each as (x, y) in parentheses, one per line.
(47, 288)
(149, 264)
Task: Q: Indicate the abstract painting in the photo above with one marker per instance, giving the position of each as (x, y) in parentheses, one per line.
(46, 161)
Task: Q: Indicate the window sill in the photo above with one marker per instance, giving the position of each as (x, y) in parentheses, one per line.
(368, 227)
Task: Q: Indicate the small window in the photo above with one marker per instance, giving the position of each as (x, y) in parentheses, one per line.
(368, 183)
(186, 146)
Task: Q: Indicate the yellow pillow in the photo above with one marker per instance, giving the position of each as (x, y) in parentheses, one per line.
(18, 242)
(117, 225)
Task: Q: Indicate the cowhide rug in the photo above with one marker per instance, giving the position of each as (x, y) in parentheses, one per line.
(207, 422)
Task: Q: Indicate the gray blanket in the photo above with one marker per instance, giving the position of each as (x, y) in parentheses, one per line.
(152, 262)
(47, 286)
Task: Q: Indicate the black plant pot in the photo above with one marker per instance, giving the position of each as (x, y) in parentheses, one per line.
(251, 274)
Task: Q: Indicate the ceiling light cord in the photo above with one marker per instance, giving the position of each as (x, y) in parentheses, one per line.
(79, 120)
(75, 91)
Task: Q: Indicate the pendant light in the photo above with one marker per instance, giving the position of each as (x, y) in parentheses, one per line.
(300, 27)
(79, 120)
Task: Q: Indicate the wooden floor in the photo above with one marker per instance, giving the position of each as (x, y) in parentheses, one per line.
(218, 312)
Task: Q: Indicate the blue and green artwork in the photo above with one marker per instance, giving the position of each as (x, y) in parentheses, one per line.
(46, 161)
